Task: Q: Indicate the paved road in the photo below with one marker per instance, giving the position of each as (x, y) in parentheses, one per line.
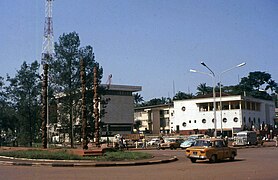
(251, 163)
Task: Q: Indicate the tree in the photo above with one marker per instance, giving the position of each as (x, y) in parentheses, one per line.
(137, 98)
(181, 95)
(137, 124)
(24, 93)
(254, 84)
(203, 89)
(255, 80)
(64, 74)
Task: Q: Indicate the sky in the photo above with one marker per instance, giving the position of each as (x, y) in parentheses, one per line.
(151, 43)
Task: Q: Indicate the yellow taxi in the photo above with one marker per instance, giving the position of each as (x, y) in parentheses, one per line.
(213, 149)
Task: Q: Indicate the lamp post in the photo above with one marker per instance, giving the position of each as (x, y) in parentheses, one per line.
(220, 91)
(214, 102)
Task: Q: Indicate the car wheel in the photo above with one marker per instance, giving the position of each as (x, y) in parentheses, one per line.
(232, 157)
(193, 160)
(213, 158)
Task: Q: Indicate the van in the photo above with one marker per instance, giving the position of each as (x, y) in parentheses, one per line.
(244, 138)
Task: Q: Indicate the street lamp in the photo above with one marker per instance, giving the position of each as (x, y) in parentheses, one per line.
(214, 102)
(220, 90)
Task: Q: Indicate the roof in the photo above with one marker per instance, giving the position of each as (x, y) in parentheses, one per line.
(114, 87)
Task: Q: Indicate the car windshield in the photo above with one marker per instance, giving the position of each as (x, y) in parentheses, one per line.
(203, 143)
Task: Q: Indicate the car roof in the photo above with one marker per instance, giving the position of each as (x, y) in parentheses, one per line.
(210, 139)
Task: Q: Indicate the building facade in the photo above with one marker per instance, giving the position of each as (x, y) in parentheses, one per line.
(238, 113)
(118, 118)
(154, 119)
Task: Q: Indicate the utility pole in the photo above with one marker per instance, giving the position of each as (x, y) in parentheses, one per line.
(47, 55)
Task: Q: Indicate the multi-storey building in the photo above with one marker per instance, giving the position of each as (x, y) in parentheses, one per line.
(238, 113)
(118, 117)
(154, 119)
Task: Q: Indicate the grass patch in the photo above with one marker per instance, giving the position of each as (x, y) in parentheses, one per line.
(41, 154)
(65, 155)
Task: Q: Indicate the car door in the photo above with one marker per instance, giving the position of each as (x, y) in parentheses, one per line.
(219, 146)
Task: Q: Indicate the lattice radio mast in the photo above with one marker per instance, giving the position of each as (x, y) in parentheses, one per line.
(48, 40)
(47, 55)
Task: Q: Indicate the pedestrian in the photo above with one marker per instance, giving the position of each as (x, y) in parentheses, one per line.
(144, 143)
(276, 140)
(125, 143)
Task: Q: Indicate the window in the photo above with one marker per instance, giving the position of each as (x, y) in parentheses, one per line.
(244, 120)
(178, 128)
(204, 121)
(235, 119)
(194, 121)
(224, 120)
(184, 124)
(212, 120)
(189, 121)
(183, 108)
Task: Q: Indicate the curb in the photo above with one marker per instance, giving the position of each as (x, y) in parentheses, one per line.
(87, 164)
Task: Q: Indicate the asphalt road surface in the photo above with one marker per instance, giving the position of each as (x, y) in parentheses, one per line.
(251, 163)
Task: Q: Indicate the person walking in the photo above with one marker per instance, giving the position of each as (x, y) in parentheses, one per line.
(276, 140)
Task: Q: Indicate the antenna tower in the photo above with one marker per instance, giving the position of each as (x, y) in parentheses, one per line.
(47, 55)
(48, 42)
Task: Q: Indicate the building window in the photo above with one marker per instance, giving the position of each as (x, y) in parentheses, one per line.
(254, 120)
(184, 124)
(194, 121)
(204, 121)
(212, 120)
(224, 120)
(249, 119)
(235, 119)
(178, 128)
(244, 120)
(183, 108)
(189, 121)
(259, 121)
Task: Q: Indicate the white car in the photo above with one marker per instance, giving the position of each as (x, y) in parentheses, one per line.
(153, 142)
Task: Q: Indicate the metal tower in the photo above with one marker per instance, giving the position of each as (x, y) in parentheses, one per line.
(48, 42)
(47, 55)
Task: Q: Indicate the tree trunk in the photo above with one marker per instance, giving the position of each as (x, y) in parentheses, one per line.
(84, 118)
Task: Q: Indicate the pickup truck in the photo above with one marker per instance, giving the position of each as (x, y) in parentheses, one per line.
(213, 149)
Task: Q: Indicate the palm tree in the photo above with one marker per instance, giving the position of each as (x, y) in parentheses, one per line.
(203, 89)
(137, 98)
(181, 95)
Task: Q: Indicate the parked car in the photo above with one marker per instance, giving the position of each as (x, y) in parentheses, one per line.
(187, 143)
(170, 143)
(153, 142)
(213, 149)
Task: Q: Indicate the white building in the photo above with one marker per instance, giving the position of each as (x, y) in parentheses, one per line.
(154, 119)
(238, 113)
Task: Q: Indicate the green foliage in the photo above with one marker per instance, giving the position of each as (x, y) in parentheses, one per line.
(67, 155)
(203, 89)
(181, 95)
(137, 98)
(65, 82)
(23, 94)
